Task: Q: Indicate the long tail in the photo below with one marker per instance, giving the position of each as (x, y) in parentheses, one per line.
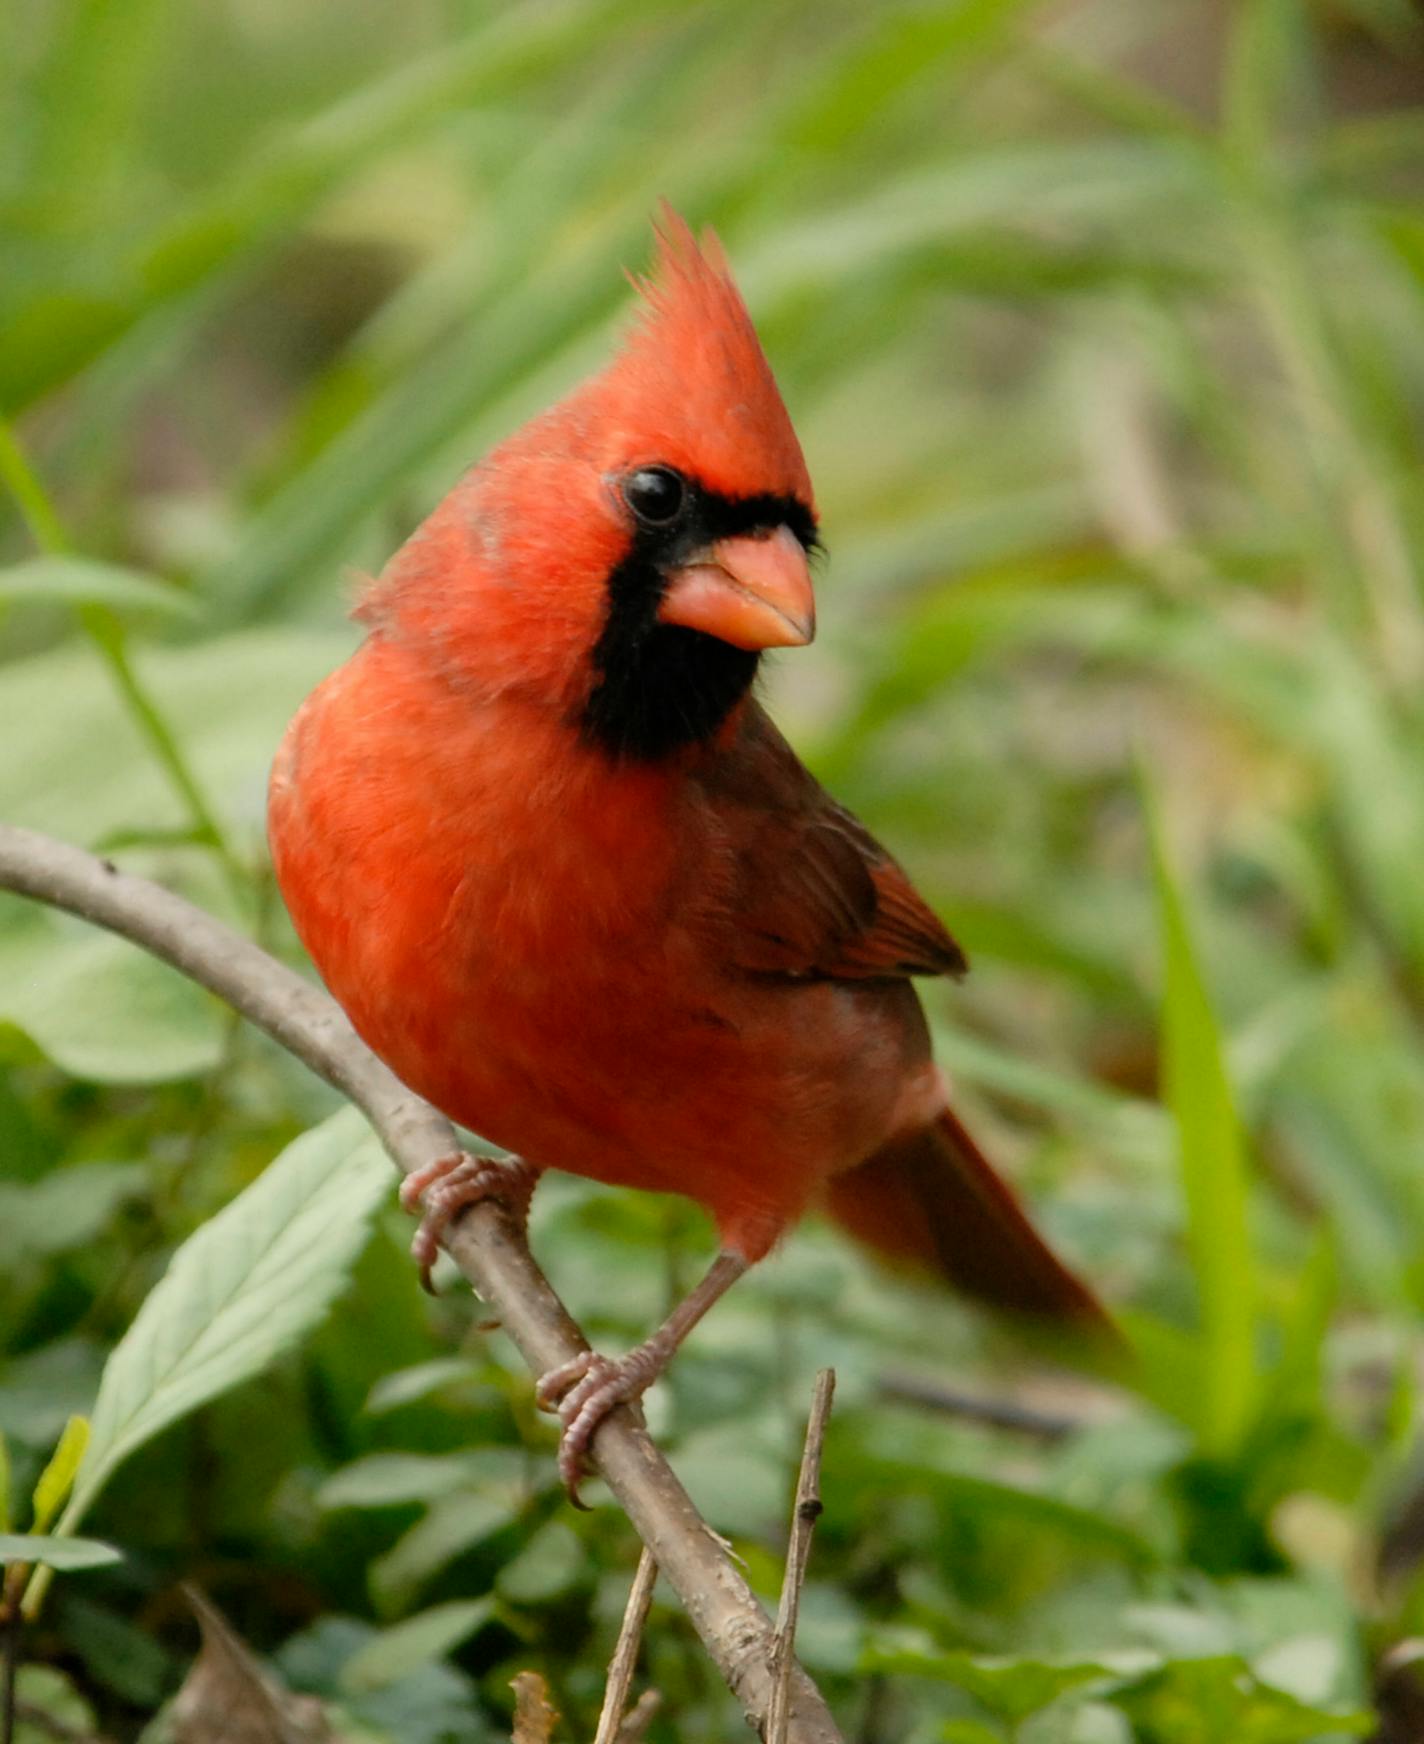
(933, 1199)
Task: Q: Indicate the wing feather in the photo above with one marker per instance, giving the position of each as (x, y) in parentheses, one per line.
(813, 892)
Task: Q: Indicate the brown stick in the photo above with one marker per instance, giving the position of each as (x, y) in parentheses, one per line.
(625, 1652)
(489, 1251)
(798, 1554)
(639, 1717)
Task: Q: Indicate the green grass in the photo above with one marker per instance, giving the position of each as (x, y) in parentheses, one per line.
(1104, 330)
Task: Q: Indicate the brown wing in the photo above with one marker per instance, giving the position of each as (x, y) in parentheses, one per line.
(813, 892)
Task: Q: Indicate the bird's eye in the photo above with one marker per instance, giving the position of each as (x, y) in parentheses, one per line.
(655, 494)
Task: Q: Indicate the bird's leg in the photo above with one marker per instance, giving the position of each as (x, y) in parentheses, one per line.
(445, 1187)
(587, 1387)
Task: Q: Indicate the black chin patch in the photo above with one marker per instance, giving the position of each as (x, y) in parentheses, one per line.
(658, 687)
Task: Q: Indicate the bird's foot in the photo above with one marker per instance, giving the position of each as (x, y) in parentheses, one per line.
(585, 1389)
(445, 1187)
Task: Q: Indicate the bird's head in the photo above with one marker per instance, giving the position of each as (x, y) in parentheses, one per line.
(628, 555)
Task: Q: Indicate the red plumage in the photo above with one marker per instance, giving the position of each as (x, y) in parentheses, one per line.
(568, 879)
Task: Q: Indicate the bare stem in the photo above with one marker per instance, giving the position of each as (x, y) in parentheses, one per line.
(625, 1652)
(639, 1717)
(975, 1408)
(9, 1672)
(490, 1252)
(798, 1554)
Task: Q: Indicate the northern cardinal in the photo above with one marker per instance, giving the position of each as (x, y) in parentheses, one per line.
(568, 879)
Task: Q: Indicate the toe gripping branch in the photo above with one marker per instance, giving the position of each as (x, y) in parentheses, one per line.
(442, 1189)
(587, 1387)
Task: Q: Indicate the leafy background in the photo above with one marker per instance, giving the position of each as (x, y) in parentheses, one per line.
(1101, 322)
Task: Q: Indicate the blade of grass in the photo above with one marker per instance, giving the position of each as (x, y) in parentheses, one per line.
(1212, 1158)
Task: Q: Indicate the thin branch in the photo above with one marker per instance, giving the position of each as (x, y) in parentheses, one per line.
(9, 1671)
(639, 1717)
(489, 1251)
(625, 1652)
(974, 1408)
(798, 1554)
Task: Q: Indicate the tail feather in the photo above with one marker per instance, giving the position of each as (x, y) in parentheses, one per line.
(932, 1199)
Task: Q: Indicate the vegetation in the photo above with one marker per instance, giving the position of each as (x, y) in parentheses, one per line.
(1103, 326)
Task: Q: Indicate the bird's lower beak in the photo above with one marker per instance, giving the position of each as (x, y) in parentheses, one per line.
(752, 591)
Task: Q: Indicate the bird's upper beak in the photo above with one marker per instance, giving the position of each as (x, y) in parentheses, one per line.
(753, 591)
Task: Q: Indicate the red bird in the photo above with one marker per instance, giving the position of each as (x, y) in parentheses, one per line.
(568, 879)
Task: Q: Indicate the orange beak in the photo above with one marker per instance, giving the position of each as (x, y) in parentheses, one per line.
(754, 592)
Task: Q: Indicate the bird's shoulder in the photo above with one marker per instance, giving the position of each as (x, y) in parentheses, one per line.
(812, 893)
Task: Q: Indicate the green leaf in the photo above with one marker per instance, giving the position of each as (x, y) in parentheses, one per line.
(1193, 1699)
(413, 1642)
(1009, 1688)
(1212, 1157)
(65, 1209)
(552, 1561)
(385, 1480)
(977, 1498)
(119, 1654)
(83, 581)
(82, 770)
(451, 1526)
(237, 1294)
(57, 1478)
(62, 1554)
(99, 1007)
(4, 1483)
(41, 1389)
(969, 1732)
(60, 1711)
(1270, 80)
(405, 1387)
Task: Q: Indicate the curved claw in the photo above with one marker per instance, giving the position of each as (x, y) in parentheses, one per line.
(445, 1187)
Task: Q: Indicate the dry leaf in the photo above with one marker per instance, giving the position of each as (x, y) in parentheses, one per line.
(227, 1698)
(534, 1715)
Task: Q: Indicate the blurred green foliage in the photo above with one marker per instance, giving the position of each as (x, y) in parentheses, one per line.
(1103, 325)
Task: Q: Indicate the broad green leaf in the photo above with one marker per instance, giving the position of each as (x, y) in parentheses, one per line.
(238, 1293)
(406, 1386)
(57, 1478)
(413, 1642)
(1010, 1688)
(64, 1209)
(548, 1565)
(451, 1526)
(84, 581)
(61, 1554)
(42, 1389)
(82, 771)
(59, 1708)
(1212, 1159)
(982, 1498)
(1190, 1700)
(4, 1483)
(99, 1007)
(384, 1480)
(969, 1732)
